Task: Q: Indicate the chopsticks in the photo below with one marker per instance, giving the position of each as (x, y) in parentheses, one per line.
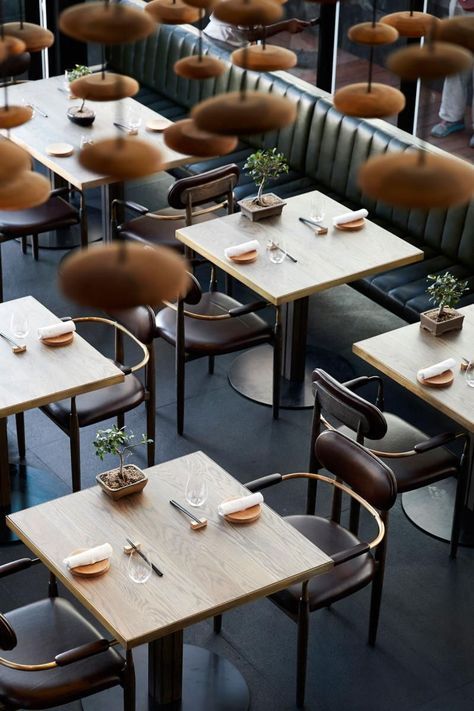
(124, 127)
(142, 555)
(15, 346)
(309, 222)
(195, 521)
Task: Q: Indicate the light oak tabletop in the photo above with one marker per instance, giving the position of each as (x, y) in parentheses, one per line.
(42, 374)
(205, 572)
(402, 352)
(323, 261)
(35, 135)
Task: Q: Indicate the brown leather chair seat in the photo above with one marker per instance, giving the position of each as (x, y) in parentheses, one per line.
(99, 405)
(37, 219)
(215, 337)
(410, 472)
(335, 584)
(159, 232)
(58, 627)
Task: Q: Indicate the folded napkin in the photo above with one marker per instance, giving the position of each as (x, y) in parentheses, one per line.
(90, 556)
(245, 502)
(349, 217)
(243, 248)
(57, 329)
(436, 369)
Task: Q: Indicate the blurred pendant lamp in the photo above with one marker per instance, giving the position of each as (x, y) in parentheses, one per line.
(10, 46)
(173, 12)
(410, 23)
(199, 66)
(264, 57)
(371, 99)
(421, 179)
(248, 13)
(34, 37)
(185, 137)
(105, 22)
(104, 86)
(458, 30)
(123, 275)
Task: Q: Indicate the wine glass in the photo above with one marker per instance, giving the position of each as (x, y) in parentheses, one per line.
(196, 489)
(317, 213)
(133, 120)
(469, 374)
(19, 325)
(276, 251)
(139, 566)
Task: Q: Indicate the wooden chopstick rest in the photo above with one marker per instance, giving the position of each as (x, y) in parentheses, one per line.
(129, 549)
(196, 525)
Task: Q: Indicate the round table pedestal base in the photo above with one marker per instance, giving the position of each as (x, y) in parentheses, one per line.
(210, 683)
(29, 487)
(251, 375)
(431, 510)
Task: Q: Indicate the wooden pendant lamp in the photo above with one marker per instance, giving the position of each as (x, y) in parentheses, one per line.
(248, 13)
(371, 99)
(185, 137)
(264, 58)
(105, 22)
(34, 37)
(12, 116)
(26, 189)
(172, 12)
(417, 180)
(203, 4)
(104, 86)
(13, 160)
(199, 66)
(433, 60)
(123, 157)
(410, 23)
(123, 275)
(10, 46)
(458, 30)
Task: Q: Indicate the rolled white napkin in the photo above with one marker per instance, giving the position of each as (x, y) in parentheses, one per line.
(436, 369)
(57, 329)
(243, 248)
(90, 556)
(349, 217)
(245, 502)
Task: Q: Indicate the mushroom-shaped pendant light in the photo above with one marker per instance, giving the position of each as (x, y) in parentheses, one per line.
(264, 58)
(123, 275)
(34, 37)
(11, 116)
(417, 180)
(409, 23)
(105, 22)
(10, 46)
(172, 12)
(13, 160)
(124, 157)
(185, 137)
(203, 4)
(247, 13)
(371, 99)
(458, 30)
(104, 86)
(199, 66)
(26, 189)
(244, 112)
(433, 60)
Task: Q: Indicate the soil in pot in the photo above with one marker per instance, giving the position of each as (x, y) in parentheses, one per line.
(130, 475)
(81, 116)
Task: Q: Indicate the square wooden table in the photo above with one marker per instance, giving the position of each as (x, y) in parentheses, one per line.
(322, 262)
(205, 572)
(400, 354)
(35, 135)
(37, 377)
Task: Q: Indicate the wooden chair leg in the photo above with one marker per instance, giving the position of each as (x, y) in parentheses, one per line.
(210, 365)
(302, 648)
(228, 284)
(180, 374)
(217, 624)
(150, 433)
(277, 345)
(20, 434)
(375, 603)
(35, 247)
(24, 244)
(458, 510)
(75, 444)
(129, 684)
(52, 586)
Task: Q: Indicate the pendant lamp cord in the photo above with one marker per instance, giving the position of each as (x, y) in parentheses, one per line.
(371, 52)
(4, 69)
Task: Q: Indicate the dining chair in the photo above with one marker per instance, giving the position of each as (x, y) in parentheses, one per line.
(365, 479)
(212, 324)
(138, 325)
(56, 213)
(416, 459)
(53, 656)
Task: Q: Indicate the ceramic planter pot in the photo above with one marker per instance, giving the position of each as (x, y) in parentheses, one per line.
(84, 117)
(255, 212)
(453, 323)
(132, 488)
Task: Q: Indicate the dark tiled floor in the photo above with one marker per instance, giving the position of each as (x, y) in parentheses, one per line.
(423, 659)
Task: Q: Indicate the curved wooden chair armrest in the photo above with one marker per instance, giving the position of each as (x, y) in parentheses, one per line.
(204, 211)
(365, 504)
(119, 327)
(64, 658)
(15, 566)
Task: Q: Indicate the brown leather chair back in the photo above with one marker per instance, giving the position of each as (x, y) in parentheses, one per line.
(365, 473)
(333, 399)
(203, 188)
(140, 321)
(7, 635)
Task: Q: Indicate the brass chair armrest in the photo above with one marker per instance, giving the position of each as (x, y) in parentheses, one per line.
(264, 482)
(118, 326)
(15, 566)
(64, 658)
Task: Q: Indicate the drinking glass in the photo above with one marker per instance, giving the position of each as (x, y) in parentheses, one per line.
(276, 251)
(139, 569)
(196, 489)
(317, 213)
(133, 120)
(19, 325)
(469, 374)
(85, 140)
(67, 83)
(26, 104)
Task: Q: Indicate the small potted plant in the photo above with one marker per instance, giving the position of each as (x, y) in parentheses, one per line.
(126, 478)
(80, 115)
(445, 292)
(262, 166)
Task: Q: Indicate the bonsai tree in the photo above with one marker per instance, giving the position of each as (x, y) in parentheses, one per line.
(79, 71)
(120, 443)
(263, 166)
(445, 291)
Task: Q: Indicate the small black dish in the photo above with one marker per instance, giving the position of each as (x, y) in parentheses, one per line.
(81, 116)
